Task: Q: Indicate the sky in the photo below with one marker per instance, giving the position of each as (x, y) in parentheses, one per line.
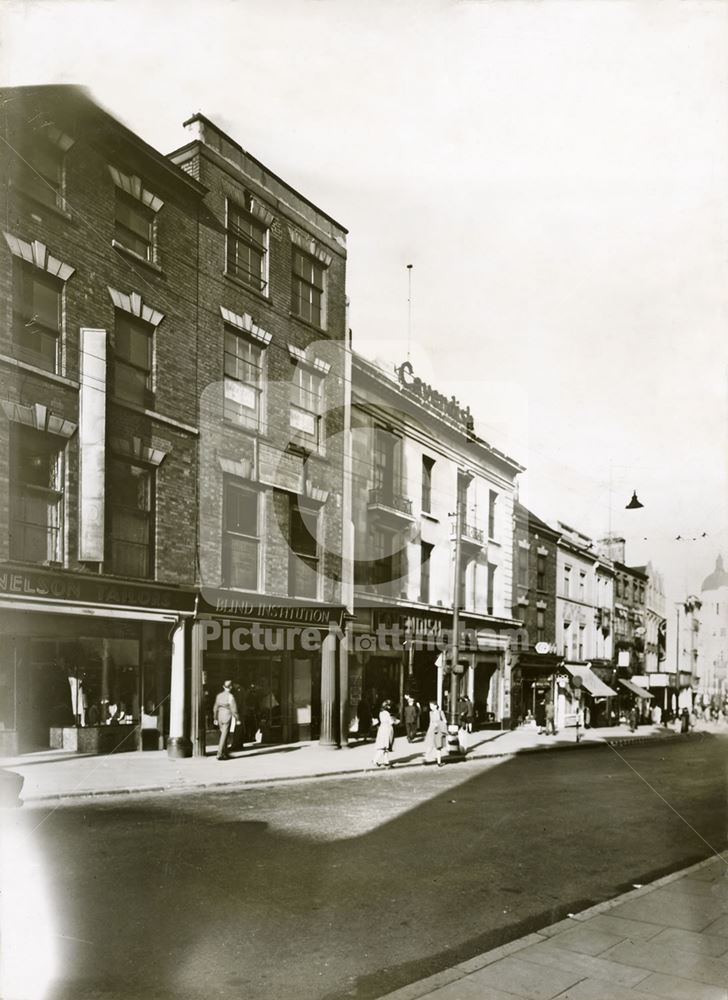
(555, 172)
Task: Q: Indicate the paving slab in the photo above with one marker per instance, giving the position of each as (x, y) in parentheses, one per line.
(671, 961)
(676, 988)
(627, 930)
(611, 970)
(525, 979)
(687, 912)
(600, 989)
(700, 944)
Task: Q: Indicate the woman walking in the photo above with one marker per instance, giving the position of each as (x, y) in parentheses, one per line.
(436, 735)
(385, 736)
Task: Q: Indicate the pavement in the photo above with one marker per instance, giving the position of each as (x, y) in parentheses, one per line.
(58, 774)
(667, 939)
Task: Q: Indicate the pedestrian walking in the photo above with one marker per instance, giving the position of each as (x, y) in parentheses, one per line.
(364, 715)
(436, 735)
(225, 715)
(685, 721)
(550, 723)
(385, 736)
(632, 719)
(411, 718)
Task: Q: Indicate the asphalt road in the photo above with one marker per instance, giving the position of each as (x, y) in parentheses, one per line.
(353, 886)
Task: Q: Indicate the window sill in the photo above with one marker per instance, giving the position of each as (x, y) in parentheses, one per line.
(56, 210)
(248, 288)
(252, 432)
(7, 359)
(429, 517)
(136, 257)
(307, 323)
(494, 541)
(153, 415)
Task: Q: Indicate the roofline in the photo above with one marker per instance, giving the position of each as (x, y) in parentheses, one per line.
(523, 513)
(199, 117)
(377, 372)
(82, 93)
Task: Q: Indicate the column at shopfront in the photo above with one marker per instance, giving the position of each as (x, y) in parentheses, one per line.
(328, 735)
(178, 745)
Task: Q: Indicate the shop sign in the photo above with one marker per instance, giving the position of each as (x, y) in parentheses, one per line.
(422, 627)
(63, 587)
(542, 648)
(223, 603)
(92, 445)
(657, 680)
(431, 397)
(281, 469)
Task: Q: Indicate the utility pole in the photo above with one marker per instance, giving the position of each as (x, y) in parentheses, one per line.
(452, 713)
(452, 717)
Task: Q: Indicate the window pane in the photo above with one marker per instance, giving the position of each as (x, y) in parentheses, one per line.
(130, 501)
(134, 343)
(304, 577)
(46, 301)
(241, 511)
(303, 531)
(134, 216)
(242, 562)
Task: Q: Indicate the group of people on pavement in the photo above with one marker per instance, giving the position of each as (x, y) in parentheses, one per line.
(435, 741)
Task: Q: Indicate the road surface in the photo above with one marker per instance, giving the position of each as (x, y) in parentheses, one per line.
(353, 886)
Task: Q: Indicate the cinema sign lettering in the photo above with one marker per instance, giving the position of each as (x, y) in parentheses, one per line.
(449, 407)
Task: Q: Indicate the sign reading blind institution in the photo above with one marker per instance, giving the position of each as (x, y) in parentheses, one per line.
(259, 609)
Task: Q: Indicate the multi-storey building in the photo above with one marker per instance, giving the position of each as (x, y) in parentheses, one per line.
(98, 429)
(583, 623)
(536, 653)
(271, 382)
(416, 458)
(685, 681)
(713, 636)
(629, 628)
(173, 398)
(655, 622)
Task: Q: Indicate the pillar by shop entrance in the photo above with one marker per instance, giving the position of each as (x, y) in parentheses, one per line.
(177, 743)
(328, 735)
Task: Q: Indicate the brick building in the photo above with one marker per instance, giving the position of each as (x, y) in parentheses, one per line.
(270, 377)
(173, 353)
(536, 651)
(98, 429)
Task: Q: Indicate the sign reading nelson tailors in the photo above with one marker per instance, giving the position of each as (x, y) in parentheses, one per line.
(90, 590)
(431, 397)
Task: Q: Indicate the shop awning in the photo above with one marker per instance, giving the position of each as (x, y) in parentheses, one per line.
(634, 688)
(596, 687)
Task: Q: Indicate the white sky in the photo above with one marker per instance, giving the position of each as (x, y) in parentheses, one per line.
(557, 173)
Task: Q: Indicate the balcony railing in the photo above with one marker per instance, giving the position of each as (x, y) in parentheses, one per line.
(472, 534)
(381, 497)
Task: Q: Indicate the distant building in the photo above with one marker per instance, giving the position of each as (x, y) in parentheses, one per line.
(583, 624)
(536, 653)
(713, 636)
(655, 622)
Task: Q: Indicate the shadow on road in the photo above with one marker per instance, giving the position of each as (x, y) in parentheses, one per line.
(351, 888)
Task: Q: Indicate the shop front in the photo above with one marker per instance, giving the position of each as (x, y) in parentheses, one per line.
(532, 687)
(273, 651)
(592, 699)
(396, 652)
(84, 662)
